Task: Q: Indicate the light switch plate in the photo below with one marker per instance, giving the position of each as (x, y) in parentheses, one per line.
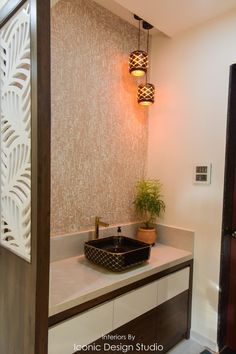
(202, 173)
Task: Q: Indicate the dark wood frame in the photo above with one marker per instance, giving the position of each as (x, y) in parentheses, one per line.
(24, 290)
(227, 210)
(62, 316)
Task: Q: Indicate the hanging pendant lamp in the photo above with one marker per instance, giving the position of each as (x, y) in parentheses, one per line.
(138, 60)
(146, 92)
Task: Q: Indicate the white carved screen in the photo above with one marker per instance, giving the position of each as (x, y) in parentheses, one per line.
(15, 134)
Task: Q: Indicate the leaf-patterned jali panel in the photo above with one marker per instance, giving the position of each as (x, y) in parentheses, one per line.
(16, 134)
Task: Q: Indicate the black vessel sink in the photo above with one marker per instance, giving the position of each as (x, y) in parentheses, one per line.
(117, 253)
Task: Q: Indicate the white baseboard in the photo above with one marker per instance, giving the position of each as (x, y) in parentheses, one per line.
(205, 342)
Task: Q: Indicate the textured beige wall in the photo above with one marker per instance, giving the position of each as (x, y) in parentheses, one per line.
(99, 133)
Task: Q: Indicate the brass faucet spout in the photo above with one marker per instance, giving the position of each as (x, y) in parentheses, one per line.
(104, 224)
(98, 223)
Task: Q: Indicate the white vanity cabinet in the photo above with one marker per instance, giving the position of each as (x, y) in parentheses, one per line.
(141, 300)
(121, 312)
(134, 303)
(172, 285)
(81, 329)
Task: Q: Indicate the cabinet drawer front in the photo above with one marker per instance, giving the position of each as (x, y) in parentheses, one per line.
(172, 285)
(134, 304)
(80, 330)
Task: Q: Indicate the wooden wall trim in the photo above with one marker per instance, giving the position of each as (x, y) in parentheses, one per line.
(62, 316)
(190, 301)
(41, 136)
(227, 208)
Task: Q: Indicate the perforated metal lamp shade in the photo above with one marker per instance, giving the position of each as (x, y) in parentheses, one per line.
(146, 94)
(138, 63)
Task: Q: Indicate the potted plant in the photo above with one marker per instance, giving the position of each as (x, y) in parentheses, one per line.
(149, 205)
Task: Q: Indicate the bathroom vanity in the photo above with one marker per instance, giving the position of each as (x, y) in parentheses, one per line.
(149, 304)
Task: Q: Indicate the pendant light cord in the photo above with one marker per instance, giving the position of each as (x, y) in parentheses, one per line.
(139, 34)
(148, 42)
(147, 52)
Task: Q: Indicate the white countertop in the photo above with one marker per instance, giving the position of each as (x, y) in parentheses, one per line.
(74, 281)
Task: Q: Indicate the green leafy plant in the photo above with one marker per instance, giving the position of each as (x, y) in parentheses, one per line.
(148, 201)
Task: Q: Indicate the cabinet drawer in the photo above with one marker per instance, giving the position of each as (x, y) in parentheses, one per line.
(172, 285)
(134, 304)
(80, 330)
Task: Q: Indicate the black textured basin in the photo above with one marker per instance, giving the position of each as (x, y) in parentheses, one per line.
(117, 253)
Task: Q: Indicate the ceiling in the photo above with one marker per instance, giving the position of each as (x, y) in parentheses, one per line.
(174, 16)
(169, 16)
(118, 9)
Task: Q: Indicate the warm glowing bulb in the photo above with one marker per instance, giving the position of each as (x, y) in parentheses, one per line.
(137, 72)
(146, 103)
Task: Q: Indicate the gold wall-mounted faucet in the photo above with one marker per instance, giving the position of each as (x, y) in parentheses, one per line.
(98, 223)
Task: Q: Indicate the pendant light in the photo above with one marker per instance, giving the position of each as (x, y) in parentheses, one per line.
(138, 60)
(146, 92)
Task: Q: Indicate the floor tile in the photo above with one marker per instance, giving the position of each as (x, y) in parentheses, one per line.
(187, 347)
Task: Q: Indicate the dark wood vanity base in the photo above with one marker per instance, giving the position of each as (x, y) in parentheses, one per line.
(159, 329)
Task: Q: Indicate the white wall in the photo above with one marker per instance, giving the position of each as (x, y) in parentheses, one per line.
(187, 125)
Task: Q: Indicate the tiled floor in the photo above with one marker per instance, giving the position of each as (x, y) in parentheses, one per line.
(187, 347)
